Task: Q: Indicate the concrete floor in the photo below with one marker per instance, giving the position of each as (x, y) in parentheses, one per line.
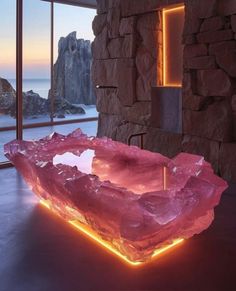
(39, 252)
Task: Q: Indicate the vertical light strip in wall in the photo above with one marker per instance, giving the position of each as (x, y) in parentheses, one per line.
(165, 14)
(164, 46)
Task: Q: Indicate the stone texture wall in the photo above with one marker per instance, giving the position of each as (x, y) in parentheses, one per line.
(209, 115)
(127, 53)
(128, 63)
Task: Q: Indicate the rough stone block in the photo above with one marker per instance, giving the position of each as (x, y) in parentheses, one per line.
(222, 47)
(123, 47)
(99, 46)
(126, 129)
(129, 46)
(114, 3)
(212, 24)
(145, 84)
(151, 21)
(192, 21)
(108, 125)
(206, 8)
(143, 91)
(227, 161)
(165, 143)
(126, 72)
(195, 50)
(144, 61)
(127, 25)
(151, 40)
(227, 62)
(113, 22)
(217, 36)
(200, 63)
(149, 29)
(187, 84)
(213, 83)
(104, 73)
(98, 24)
(226, 7)
(102, 6)
(191, 26)
(233, 22)
(189, 39)
(233, 103)
(115, 48)
(194, 102)
(139, 112)
(147, 69)
(108, 101)
(204, 147)
(214, 122)
(234, 126)
(128, 7)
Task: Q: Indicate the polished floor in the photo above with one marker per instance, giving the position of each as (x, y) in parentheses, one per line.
(39, 252)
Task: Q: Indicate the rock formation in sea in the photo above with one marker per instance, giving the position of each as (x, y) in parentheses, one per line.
(65, 107)
(72, 71)
(33, 104)
(7, 96)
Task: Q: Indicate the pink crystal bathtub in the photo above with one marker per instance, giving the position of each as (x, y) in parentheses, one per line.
(132, 201)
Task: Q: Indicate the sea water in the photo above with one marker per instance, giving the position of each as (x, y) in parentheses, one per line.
(40, 86)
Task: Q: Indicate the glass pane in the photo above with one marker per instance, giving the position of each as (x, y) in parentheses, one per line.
(7, 72)
(36, 61)
(74, 96)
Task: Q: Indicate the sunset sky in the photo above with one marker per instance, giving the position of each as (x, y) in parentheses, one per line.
(36, 34)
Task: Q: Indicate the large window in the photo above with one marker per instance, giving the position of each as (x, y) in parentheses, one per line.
(7, 72)
(55, 72)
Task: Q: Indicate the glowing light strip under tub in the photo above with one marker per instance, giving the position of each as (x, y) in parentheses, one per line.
(95, 238)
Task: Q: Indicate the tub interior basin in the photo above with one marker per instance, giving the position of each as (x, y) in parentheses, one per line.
(136, 175)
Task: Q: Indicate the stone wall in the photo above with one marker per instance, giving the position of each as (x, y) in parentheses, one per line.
(124, 67)
(128, 63)
(127, 53)
(209, 113)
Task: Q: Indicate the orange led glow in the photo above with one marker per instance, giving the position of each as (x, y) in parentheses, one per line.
(164, 178)
(44, 203)
(95, 238)
(166, 74)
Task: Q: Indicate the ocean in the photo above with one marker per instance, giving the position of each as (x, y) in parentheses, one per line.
(40, 86)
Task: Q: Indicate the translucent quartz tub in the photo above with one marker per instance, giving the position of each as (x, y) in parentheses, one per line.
(132, 201)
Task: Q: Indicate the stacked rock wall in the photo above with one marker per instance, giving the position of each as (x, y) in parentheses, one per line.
(209, 119)
(127, 53)
(127, 63)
